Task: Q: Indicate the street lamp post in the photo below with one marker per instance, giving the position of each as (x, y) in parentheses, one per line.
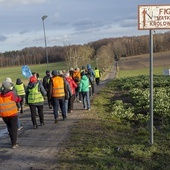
(46, 51)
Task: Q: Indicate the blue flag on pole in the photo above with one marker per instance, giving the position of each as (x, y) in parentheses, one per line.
(26, 72)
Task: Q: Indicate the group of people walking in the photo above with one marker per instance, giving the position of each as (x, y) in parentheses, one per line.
(60, 88)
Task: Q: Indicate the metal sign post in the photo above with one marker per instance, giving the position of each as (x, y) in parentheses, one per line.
(151, 17)
(151, 86)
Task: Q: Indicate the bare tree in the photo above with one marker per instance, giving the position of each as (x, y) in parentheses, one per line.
(76, 56)
(104, 56)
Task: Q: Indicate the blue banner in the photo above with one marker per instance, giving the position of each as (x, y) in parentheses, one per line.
(26, 72)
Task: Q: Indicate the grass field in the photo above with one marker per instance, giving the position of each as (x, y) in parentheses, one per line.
(16, 72)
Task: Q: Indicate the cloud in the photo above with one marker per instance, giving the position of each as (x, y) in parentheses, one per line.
(128, 23)
(86, 24)
(3, 38)
(24, 32)
(10, 3)
(60, 23)
(74, 21)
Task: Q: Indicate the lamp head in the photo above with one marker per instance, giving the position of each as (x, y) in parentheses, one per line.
(44, 17)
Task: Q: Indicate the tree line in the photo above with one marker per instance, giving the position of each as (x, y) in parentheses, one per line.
(102, 52)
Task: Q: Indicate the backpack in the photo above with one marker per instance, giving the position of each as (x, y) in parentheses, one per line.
(76, 79)
(91, 74)
(46, 81)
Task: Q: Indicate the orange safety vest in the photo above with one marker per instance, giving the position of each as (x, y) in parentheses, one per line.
(58, 87)
(77, 74)
(7, 106)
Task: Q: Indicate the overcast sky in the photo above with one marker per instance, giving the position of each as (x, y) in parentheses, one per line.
(68, 22)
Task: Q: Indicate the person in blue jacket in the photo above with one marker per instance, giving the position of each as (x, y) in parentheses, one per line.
(91, 75)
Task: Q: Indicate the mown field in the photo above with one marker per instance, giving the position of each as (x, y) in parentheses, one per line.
(116, 133)
(140, 65)
(161, 59)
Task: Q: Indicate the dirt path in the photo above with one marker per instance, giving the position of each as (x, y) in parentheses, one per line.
(38, 148)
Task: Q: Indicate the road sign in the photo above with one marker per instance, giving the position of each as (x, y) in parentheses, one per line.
(153, 17)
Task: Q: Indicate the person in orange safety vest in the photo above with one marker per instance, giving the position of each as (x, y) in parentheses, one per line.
(9, 111)
(57, 94)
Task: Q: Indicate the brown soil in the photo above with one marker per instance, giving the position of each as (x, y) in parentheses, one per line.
(143, 61)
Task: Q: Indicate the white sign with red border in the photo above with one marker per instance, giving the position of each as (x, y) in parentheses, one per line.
(153, 17)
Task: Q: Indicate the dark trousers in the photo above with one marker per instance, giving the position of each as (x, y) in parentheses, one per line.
(78, 94)
(58, 103)
(21, 103)
(90, 91)
(97, 80)
(48, 100)
(11, 123)
(33, 113)
(71, 102)
(92, 88)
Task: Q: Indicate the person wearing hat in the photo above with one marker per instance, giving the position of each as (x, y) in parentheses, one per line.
(76, 78)
(91, 75)
(46, 80)
(69, 93)
(9, 111)
(73, 87)
(83, 69)
(20, 89)
(84, 89)
(35, 93)
(8, 79)
(57, 94)
(97, 76)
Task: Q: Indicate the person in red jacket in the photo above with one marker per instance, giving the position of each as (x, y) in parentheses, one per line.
(73, 86)
(9, 111)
